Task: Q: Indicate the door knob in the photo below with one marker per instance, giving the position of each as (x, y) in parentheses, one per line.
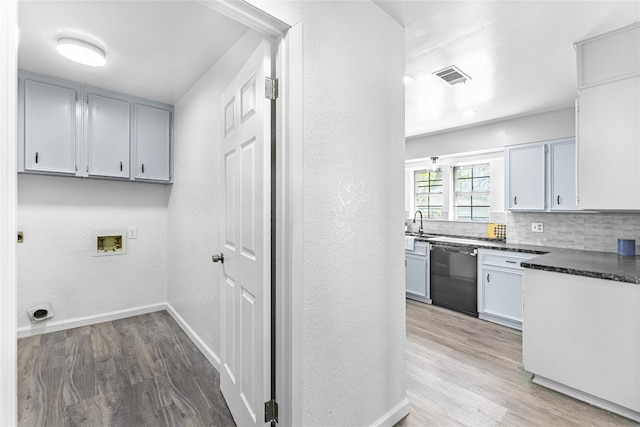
(218, 258)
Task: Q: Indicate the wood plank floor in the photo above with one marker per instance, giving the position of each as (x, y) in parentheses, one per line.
(463, 371)
(138, 371)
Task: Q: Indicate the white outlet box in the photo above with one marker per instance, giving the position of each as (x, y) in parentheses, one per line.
(537, 227)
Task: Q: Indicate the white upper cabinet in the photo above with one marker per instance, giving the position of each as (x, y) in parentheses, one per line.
(50, 126)
(65, 128)
(608, 120)
(541, 176)
(152, 136)
(562, 167)
(107, 136)
(526, 177)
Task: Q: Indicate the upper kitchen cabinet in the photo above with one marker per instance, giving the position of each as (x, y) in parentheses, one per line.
(50, 125)
(71, 129)
(107, 136)
(541, 176)
(608, 120)
(152, 136)
(526, 177)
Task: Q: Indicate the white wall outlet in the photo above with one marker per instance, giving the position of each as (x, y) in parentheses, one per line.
(132, 233)
(537, 227)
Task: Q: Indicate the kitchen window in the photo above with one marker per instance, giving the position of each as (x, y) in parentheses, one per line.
(428, 193)
(471, 192)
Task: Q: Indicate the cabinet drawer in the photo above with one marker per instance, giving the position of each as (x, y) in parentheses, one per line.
(419, 248)
(505, 260)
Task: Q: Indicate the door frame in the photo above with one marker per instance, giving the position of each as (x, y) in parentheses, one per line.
(288, 199)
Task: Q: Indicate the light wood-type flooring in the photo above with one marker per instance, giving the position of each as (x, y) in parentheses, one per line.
(139, 371)
(463, 371)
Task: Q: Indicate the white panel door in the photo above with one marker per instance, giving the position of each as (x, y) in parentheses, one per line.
(52, 127)
(152, 138)
(245, 295)
(107, 136)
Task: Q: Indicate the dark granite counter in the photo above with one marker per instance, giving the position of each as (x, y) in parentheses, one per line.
(599, 265)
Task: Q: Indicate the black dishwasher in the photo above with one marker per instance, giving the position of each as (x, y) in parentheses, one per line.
(454, 277)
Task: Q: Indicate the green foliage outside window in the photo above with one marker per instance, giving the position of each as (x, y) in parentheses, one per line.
(428, 193)
(471, 192)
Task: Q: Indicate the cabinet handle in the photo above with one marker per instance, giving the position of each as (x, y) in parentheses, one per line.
(36, 157)
(143, 168)
(558, 199)
(120, 166)
(515, 200)
(488, 278)
(511, 262)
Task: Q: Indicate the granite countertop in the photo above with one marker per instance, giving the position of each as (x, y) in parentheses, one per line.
(599, 265)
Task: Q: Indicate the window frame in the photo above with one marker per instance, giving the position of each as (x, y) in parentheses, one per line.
(429, 208)
(471, 194)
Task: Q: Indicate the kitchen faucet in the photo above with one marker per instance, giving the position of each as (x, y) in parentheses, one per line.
(414, 220)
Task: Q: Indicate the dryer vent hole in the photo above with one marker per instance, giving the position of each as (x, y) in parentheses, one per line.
(40, 314)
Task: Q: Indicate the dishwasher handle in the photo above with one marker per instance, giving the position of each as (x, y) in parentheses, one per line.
(456, 249)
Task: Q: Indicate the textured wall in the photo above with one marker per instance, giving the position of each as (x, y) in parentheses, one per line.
(196, 199)
(56, 264)
(588, 231)
(353, 326)
(354, 332)
(537, 127)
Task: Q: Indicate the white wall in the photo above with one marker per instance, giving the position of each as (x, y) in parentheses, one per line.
(498, 134)
(195, 206)
(59, 216)
(353, 325)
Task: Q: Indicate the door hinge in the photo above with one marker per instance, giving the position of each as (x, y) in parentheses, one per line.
(271, 411)
(271, 88)
(87, 99)
(76, 96)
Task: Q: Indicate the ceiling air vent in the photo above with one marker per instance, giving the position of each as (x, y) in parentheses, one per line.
(452, 75)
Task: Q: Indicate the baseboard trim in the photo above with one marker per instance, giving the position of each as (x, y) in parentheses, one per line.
(61, 325)
(394, 415)
(209, 354)
(585, 397)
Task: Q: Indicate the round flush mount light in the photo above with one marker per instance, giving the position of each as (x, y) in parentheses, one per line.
(81, 51)
(469, 113)
(408, 79)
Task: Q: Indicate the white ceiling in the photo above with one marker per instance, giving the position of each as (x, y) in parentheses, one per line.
(155, 49)
(519, 55)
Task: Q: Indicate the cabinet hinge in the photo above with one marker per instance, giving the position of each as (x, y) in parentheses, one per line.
(271, 411)
(271, 88)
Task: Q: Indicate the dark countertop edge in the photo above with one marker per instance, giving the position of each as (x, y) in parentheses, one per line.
(593, 274)
(538, 250)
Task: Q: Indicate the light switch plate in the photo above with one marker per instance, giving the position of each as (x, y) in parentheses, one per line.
(132, 233)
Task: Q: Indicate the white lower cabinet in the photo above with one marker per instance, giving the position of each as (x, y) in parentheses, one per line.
(581, 337)
(500, 286)
(417, 272)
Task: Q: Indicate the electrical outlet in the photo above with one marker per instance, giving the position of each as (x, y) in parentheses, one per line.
(537, 227)
(132, 233)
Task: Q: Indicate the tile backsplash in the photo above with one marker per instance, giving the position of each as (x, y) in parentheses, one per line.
(588, 231)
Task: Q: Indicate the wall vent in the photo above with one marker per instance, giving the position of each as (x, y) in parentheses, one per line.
(452, 75)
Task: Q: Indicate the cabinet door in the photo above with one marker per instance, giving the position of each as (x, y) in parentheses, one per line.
(526, 178)
(51, 127)
(608, 149)
(107, 137)
(562, 157)
(502, 293)
(153, 143)
(416, 275)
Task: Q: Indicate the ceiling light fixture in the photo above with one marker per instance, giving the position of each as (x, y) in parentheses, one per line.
(81, 51)
(469, 113)
(433, 167)
(408, 79)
